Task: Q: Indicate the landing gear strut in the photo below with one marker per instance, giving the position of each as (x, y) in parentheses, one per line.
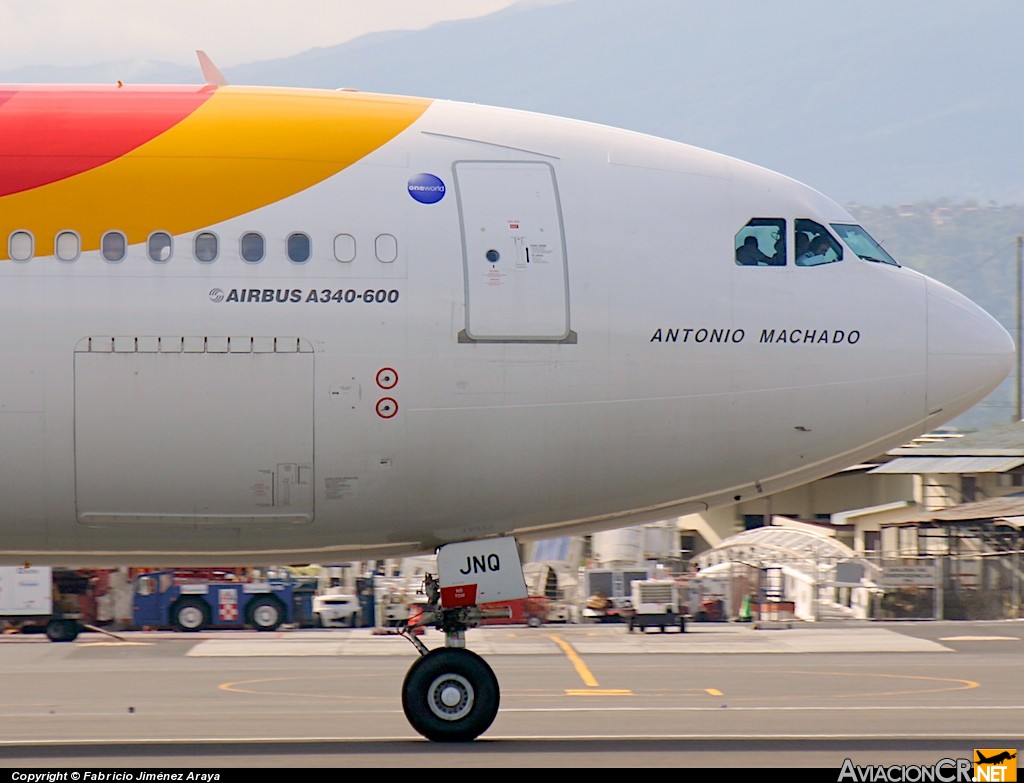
(450, 694)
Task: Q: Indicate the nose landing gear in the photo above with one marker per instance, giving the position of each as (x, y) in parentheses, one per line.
(450, 694)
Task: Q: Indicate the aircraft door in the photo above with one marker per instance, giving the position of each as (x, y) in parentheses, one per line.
(516, 276)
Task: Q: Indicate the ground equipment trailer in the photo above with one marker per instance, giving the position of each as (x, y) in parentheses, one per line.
(607, 593)
(189, 602)
(656, 604)
(27, 604)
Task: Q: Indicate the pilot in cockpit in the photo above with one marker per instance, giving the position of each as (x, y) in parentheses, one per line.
(816, 252)
(749, 254)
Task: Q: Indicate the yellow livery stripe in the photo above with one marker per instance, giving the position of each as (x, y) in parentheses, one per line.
(242, 149)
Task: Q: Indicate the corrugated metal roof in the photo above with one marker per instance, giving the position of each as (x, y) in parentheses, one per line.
(1007, 510)
(949, 465)
(1004, 440)
(1003, 436)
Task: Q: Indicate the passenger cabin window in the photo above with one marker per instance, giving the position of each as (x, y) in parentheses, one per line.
(299, 248)
(762, 242)
(386, 247)
(345, 248)
(67, 247)
(252, 247)
(205, 247)
(114, 246)
(814, 245)
(21, 246)
(160, 247)
(862, 243)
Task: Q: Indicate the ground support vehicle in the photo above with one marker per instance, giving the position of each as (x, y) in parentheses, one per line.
(656, 604)
(336, 610)
(188, 602)
(607, 593)
(532, 611)
(29, 602)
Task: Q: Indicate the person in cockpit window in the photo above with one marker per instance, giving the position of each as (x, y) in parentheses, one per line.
(749, 254)
(815, 253)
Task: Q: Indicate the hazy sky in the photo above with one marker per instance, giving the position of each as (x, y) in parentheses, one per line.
(76, 32)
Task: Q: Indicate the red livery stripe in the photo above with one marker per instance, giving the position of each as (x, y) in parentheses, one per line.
(50, 134)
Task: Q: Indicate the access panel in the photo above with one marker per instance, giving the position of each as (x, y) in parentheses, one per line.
(516, 274)
(210, 430)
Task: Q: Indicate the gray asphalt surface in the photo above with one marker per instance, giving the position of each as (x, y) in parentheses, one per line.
(572, 696)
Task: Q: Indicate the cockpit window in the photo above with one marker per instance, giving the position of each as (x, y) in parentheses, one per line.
(814, 244)
(762, 242)
(862, 243)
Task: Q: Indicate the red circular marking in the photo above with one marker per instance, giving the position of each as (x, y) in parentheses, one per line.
(387, 378)
(387, 407)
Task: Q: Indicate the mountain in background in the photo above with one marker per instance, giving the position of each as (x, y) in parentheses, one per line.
(875, 102)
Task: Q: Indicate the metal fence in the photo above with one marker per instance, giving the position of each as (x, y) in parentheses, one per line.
(964, 587)
(986, 586)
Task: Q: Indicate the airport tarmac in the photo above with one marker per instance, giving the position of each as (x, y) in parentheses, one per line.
(572, 696)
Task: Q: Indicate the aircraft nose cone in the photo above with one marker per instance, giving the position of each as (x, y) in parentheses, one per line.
(969, 352)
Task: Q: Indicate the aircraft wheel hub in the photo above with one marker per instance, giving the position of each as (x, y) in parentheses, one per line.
(450, 697)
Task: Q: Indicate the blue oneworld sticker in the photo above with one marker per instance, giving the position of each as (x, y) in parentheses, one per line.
(426, 188)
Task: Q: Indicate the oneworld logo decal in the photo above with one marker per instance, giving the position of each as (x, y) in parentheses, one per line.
(426, 188)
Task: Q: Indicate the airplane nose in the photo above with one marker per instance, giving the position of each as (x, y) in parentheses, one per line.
(969, 352)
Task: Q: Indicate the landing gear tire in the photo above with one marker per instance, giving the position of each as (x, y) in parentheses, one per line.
(62, 630)
(265, 614)
(190, 614)
(450, 695)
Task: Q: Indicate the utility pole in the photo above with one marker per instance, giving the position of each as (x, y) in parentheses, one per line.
(1020, 284)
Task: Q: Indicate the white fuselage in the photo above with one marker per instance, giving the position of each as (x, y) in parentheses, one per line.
(610, 363)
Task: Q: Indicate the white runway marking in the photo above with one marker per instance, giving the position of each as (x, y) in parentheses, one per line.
(718, 641)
